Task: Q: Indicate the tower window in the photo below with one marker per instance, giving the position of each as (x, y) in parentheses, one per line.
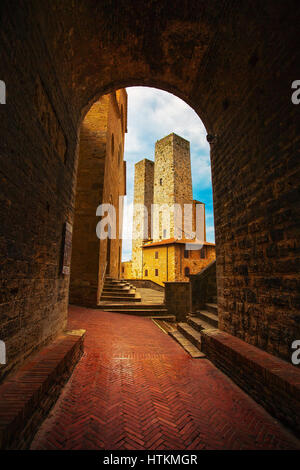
(156, 272)
(186, 254)
(156, 255)
(160, 181)
(146, 272)
(164, 233)
(186, 271)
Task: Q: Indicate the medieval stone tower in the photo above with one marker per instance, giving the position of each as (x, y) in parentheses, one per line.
(162, 184)
(172, 185)
(143, 197)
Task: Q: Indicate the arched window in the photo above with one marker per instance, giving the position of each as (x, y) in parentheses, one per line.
(146, 272)
(186, 271)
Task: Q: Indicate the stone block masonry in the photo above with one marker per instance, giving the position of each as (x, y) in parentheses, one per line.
(178, 299)
(143, 197)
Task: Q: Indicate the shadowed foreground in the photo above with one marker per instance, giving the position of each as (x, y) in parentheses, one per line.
(135, 388)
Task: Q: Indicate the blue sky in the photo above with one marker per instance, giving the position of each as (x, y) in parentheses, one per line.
(153, 114)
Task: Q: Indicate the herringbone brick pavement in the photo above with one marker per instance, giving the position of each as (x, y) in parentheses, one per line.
(135, 388)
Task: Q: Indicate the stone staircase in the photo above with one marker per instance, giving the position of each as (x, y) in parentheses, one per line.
(115, 290)
(188, 333)
(120, 296)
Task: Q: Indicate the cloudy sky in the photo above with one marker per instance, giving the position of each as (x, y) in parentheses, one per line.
(153, 114)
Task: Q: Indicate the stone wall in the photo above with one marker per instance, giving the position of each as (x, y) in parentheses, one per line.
(126, 270)
(203, 287)
(89, 194)
(195, 263)
(101, 179)
(178, 299)
(147, 284)
(114, 184)
(269, 380)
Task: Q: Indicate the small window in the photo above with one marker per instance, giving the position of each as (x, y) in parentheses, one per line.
(186, 271)
(203, 253)
(156, 255)
(122, 117)
(186, 253)
(156, 272)
(165, 233)
(123, 269)
(112, 145)
(146, 272)
(160, 181)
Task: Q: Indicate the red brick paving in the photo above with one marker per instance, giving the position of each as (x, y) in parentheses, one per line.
(135, 388)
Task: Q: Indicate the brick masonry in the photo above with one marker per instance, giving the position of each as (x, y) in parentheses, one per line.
(27, 397)
(268, 379)
(240, 86)
(158, 398)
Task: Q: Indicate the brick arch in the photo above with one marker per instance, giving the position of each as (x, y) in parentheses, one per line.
(223, 59)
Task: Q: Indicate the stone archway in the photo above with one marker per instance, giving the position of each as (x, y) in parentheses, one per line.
(223, 60)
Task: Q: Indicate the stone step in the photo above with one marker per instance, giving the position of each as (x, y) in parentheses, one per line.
(141, 312)
(208, 317)
(189, 347)
(120, 298)
(117, 290)
(164, 323)
(125, 294)
(194, 322)
(212, 308)
(158, 316)
(115, 285)
(198, 324)
(190, 333)
(127, 306)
